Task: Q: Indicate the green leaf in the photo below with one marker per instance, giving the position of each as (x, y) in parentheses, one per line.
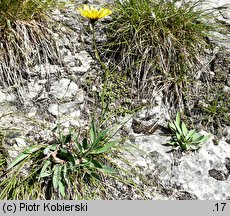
(184, 146)
(85, 143)
(52, 147)
(61, 182)
(105, 148)
(17, 160)
(76, 135)
(61, 137)
(56, 176)
(184, 128)
(32, 149)
(44, 172)
(46, 150)
(68, 138)
(195, 147)
(64, 154)
(178, 118)
(85, 162)
(78, 146)
(172, 126)
(205, 138)
(66, 174)
(24, 155)
(96, 164)
(178, 136)
(177, 123)
(190, 134)
(96, 176)
(61, 188)
(93, 133)
(102, 135)
(8, 24)
(108, 170)
(200, 138)
(195, 136)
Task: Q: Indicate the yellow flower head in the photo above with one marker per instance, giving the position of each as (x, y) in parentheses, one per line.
(93, 13)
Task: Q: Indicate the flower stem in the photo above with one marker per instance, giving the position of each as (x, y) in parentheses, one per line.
(106, 71)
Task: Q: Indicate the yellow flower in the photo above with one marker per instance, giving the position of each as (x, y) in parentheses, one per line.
(93, 13)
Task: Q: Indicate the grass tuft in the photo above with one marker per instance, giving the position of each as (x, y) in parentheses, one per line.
(158, 43)
(26, 38)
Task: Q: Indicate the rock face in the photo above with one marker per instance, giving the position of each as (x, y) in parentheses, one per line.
(203, 174)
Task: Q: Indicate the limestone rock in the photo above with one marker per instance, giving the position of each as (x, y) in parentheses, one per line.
(203, 173)
(35, 88)
(85, 60)
(66, 89)
(7, 97)
(69, 108)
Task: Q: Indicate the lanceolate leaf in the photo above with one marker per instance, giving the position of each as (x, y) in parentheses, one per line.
(96, 164)
(18, 159)
(65, 174)
(178, 118)
(79, 147)
(107, 170)
(24, 155)
(100, 137)
(184, 128)
(93, 132)
(44, 172)
(105, 148)
(33, 149)
(190, 134)
(61, 182)
(205, 138)
(61, 187)
(67, 138)
(172, 126)
(85, 143)
(177, 123)
(50, 148)
(200, 138)
(96, 176)
(56, 175)
(197, 137)
(178, 136)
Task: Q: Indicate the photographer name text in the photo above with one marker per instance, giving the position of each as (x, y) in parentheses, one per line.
(45, 207)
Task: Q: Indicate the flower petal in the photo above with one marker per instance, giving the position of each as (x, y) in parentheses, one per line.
(93, 13)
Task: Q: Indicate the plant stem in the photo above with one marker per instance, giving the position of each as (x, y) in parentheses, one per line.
(106, 70)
